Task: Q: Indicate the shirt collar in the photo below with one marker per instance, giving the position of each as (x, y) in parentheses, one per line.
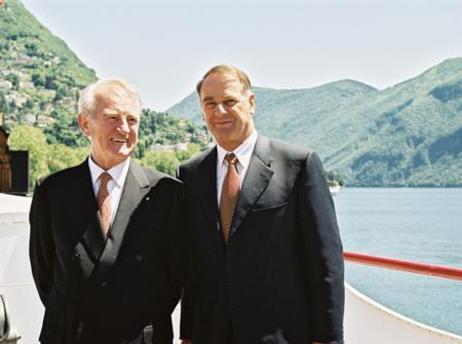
(118, 172)
(243, 152)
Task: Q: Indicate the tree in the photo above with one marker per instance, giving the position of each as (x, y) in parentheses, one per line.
(166, 162)
(192, 150)
(61, 156)
(26, 137)
(4, 106)
(38, 79)
(14, 79)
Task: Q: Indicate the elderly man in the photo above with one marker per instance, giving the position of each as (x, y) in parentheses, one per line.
(266, 255)
(105, 235)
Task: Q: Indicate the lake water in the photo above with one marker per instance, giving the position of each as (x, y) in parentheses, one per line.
(422, 225)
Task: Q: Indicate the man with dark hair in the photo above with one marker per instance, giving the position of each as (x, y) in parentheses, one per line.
(106, 239)
(266, 255)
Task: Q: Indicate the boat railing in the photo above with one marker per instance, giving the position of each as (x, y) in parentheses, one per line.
(404, 265)
(381, 325)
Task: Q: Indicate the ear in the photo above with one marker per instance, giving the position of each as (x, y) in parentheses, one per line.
(84, 124)
(252, 102)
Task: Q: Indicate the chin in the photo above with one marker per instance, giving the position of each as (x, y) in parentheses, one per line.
(125, 151)
(124, 155)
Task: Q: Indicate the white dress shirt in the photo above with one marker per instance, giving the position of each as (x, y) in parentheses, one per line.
(115, 185)
(243, 154)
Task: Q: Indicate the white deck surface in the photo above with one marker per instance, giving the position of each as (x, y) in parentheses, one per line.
(14, 204)
(367, 321)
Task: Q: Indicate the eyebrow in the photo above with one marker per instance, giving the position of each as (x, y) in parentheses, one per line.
(110, 112)
(207, 99)
(118, 113)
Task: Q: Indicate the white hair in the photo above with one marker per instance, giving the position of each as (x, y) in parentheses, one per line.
(117, 86)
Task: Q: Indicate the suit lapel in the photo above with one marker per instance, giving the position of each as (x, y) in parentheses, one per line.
(257, 179)
(89, 238)
(208, 190)
(135, 189)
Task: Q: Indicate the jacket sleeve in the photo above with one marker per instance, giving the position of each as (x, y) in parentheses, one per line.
(173, 261)
(323, 253)
(177, 245)
(188, 292)
(41, 245)
(187, 303)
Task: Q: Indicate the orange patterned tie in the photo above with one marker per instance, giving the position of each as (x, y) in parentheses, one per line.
(104, 202)
(229, 195)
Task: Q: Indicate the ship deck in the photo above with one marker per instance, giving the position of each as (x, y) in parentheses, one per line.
(366, 321)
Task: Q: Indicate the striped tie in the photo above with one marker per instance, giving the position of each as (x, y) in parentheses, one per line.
(104, 202)
(229, 195)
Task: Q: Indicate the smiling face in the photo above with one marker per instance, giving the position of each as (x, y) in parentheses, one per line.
(112, 128)
(227, 109)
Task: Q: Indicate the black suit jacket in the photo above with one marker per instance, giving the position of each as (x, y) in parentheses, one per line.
(281, 272)
(119, 290)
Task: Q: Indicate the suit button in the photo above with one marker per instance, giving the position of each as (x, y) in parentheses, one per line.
(228, 280)
(139, 257)
(79, 328)
(147, 199)
(103, 284)
(84, 300)
(75, 257)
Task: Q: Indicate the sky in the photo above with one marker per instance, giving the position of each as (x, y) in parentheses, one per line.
(164, 47)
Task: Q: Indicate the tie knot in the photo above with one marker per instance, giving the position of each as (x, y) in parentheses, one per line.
(231, 158)
(104, 178)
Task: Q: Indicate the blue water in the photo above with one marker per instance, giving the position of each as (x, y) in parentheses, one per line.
(422, 225)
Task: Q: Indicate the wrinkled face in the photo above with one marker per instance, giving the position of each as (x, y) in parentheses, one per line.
(112, 129)
(227, 109)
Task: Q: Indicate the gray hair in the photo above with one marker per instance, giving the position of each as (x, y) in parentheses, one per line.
(117, 86)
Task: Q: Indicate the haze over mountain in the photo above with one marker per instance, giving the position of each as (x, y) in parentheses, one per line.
(406, 135)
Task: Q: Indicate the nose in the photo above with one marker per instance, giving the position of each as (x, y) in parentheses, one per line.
(220, 109)
(123, 126)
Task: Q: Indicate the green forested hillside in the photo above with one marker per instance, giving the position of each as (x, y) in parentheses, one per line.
(39, 75)
(406, 135)
(39, 81)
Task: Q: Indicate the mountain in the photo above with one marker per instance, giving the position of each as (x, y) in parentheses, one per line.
(286, 107)
(39, 74)
(40, 78)
(39, 81)
(406, 135)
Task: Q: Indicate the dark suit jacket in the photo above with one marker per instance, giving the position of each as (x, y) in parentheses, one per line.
(107, 291)
(281, 272)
